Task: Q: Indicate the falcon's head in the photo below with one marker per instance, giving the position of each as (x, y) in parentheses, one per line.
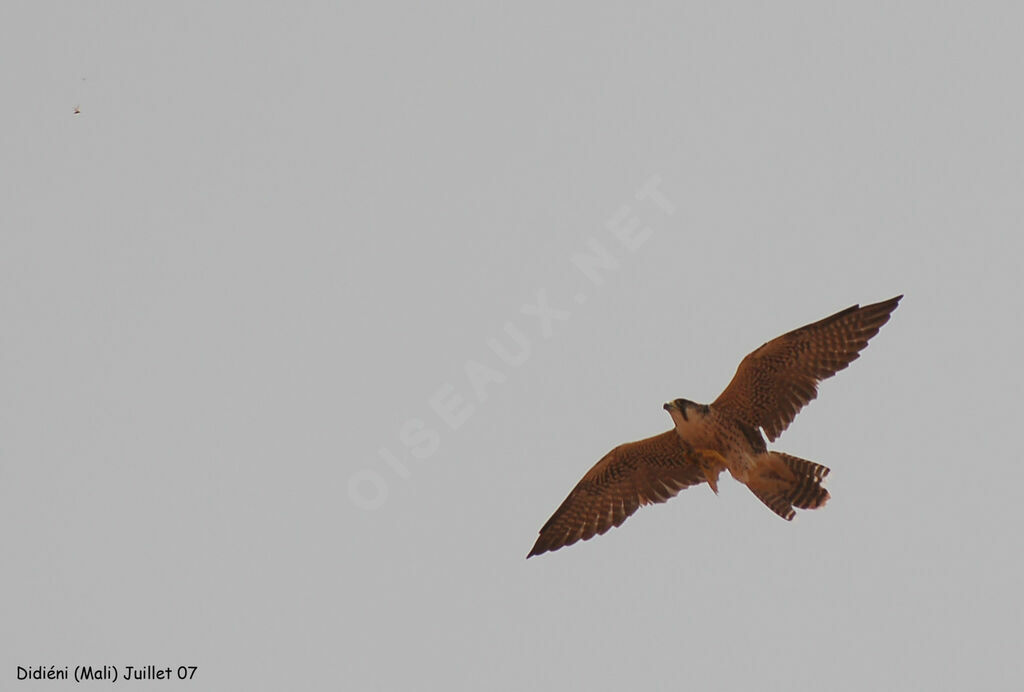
(687, 409)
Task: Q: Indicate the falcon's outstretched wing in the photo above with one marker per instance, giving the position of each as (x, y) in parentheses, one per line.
(774, 382)
(634, 474)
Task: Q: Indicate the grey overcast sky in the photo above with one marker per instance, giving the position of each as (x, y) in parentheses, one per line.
(281, 396)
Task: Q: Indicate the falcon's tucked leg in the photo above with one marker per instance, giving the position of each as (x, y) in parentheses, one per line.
(711, 463)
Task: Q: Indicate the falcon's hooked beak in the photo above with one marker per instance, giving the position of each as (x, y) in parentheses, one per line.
(677, 405)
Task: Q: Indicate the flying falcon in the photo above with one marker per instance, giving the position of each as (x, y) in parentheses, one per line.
(769, 388)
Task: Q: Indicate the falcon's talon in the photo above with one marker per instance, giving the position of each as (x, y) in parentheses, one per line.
(712, 482)
(711, 464)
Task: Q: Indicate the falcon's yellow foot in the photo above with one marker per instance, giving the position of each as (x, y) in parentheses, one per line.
(711, 463)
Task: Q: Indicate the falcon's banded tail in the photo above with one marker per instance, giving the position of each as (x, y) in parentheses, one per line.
(783, 482)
